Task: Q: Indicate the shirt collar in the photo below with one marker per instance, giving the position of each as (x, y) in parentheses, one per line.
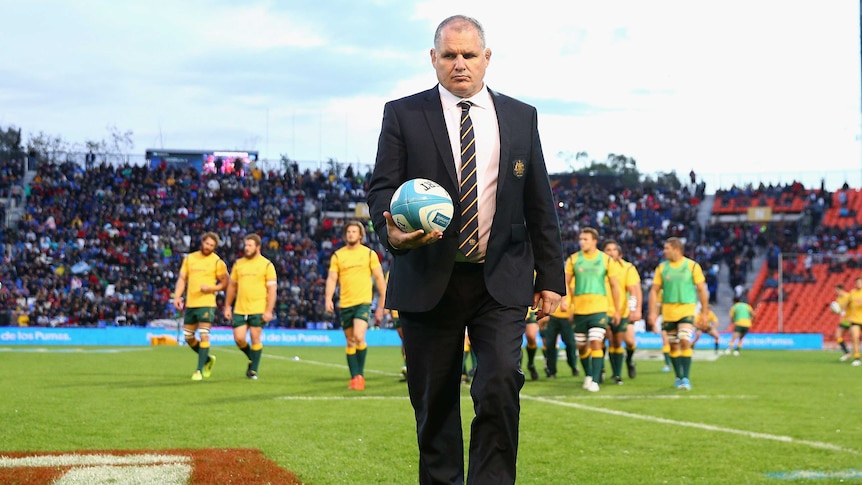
(482, 99)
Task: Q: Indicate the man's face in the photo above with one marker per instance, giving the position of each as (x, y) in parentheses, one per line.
(613, 251)
(207, 246)
(587, 242)
(460, 60)
(352, 235)
(670, 252)
(251, 249)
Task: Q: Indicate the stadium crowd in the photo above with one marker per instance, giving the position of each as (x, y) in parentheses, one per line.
(102, 245)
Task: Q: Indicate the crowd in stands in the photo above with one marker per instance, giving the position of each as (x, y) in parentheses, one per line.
(102, 245)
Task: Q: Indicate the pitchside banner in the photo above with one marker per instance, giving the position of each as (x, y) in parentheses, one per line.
(145, 336)
(335, 338)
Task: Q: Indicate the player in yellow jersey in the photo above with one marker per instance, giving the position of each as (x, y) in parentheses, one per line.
(587, 272)
(352, 268)
(253, 284)
(682, 284)
(843, 327)
(851, 304)
(205, 274)
(630, 301)
(742, 316)
(710, 328)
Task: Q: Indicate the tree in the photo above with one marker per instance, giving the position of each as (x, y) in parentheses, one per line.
(46, 147)
(10, 142)
(120, 143)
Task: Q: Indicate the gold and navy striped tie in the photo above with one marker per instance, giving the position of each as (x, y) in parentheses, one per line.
(468, 239)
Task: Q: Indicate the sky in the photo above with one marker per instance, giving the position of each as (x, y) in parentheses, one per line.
(738, 89)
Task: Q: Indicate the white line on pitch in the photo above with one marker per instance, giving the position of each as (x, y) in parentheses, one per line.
(586, 397)
(706, 427)
(323, 364)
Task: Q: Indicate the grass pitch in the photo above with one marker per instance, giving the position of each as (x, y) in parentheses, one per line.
(762, 417)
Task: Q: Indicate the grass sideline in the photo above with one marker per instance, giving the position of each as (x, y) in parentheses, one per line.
(762, 417)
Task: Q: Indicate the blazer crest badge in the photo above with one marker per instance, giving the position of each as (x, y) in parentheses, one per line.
(519, 168)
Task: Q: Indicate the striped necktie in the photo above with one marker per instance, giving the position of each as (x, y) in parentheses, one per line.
(468, 239)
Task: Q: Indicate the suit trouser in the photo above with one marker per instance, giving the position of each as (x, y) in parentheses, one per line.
(434, 343)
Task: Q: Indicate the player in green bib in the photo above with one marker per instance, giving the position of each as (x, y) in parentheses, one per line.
(742, 316)
(681, 283)
(586, 274)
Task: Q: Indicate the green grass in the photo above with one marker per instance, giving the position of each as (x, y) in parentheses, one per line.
(762, 413)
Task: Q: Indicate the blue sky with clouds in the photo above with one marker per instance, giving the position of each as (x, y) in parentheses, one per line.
(764, 86)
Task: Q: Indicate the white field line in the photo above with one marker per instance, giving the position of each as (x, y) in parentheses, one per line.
(71, 459)
(48, 350)
(705, 427)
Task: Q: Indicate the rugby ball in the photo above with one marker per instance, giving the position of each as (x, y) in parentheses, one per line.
(421, 204)
(835, 307)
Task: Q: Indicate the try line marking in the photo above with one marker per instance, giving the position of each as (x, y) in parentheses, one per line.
(705, 427)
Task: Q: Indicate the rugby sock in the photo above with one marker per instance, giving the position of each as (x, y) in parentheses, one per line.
(716, 345)
(843, 345)
(585, 362)
(666, 351)
(473, 359)
(352, 362)
(598, 362)
(196, 346)
(685, 361)
(630, 352)
(531, 355)
(245, 350)
(675, 363)
(256, 351)
(203, 354)
(361, 352)
(616, 358)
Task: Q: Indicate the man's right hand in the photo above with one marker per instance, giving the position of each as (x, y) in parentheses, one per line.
(402, 241)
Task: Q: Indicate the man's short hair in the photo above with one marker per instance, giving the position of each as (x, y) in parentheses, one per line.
(253, 237)
(459, 19)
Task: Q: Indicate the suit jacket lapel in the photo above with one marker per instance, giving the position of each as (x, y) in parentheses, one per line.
(500, 106)
(437, 125)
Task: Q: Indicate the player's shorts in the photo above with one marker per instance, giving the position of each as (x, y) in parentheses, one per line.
(194, 316)
(583, 323)
(396, 322)
(255, 320)
(355, 312)
(741, 330)
(672, 326)
(621, 328)
(856, 324)
(845, 324)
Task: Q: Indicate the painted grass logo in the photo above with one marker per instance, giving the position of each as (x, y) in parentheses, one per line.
(163, 467)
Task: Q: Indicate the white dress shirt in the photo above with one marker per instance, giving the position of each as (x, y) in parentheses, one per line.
(487, 135)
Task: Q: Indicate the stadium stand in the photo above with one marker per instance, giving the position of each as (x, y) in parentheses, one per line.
(101, 245)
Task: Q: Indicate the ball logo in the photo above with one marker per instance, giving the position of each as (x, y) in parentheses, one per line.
(421, 204)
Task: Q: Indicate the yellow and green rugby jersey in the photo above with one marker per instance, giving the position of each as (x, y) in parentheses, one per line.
(678, 282)
(200, 270)
(252, 276)
(741, 314)
(853, 308)
(354, 268)
(589, 276)
(627, 275)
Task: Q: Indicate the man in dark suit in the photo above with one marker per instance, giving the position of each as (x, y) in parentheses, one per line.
(512, 258)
